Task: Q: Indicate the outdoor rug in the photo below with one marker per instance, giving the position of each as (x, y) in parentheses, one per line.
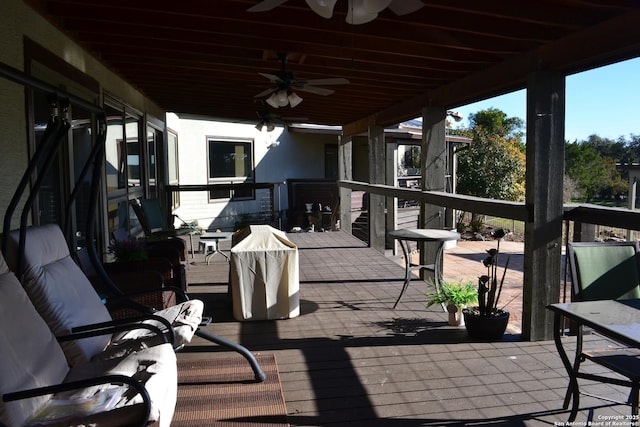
(223, 392)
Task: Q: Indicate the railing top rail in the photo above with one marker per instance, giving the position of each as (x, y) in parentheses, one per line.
(587, 213)
(501, 208)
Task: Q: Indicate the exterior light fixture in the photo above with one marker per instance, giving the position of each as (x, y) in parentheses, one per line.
(454, 115)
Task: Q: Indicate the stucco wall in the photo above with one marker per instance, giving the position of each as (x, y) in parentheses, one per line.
(296, 155)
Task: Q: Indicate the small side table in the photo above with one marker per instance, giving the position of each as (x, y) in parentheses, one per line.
(211, 241)
(406, 235)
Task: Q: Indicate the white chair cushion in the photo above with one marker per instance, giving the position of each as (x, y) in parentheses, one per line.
(59, 290)
(156, 367)
(30, 356)
(184, 317)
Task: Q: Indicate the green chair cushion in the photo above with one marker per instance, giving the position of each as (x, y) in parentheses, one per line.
(607, 272)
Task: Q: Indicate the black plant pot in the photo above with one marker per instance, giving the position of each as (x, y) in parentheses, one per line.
(485, 327)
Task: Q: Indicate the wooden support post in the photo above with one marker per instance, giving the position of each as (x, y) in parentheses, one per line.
(377, 226)
(345, 173)
(543, 228)
(392, 202)
(433, 167)
(450, 184)
(583, 232)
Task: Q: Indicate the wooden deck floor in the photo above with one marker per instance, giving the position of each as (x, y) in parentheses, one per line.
(350, 359)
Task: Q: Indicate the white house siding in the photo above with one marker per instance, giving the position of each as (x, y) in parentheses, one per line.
(296, 155)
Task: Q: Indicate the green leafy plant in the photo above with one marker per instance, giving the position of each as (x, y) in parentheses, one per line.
(129, 250)
(453, 292)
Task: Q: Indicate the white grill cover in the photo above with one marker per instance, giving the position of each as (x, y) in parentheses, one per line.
(264, 274)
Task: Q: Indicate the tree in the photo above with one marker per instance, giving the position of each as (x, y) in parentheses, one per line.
(595, 174)
(584, 165)
(493, 166)
(411, 158)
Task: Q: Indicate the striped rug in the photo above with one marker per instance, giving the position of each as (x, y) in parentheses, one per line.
(223, 392)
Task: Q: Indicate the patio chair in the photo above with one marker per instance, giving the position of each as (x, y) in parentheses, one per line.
(65, 298)
(135, 390)
(602, 271)
(153, 222)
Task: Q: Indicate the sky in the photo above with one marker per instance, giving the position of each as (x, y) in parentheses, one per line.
(604, 101)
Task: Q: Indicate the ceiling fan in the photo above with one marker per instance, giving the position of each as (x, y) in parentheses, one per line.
(281, 93)
(358, 12)
(269, 120)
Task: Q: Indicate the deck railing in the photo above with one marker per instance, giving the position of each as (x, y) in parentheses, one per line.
(583, 216)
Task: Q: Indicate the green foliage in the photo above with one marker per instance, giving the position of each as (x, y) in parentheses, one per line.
(458, 293)
(129, 250)
(493, 166)
(411, 158)
(495, 122)
(595, 174)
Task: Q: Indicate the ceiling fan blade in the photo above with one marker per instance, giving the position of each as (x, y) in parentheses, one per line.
(376, 6)
(323, 82)
(357, 14)
(317, 90)
(265, 92)
(266, 5)
(271, 77)
(405, 7)
(323, 8)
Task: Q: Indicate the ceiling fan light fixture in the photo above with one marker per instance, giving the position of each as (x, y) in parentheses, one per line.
(273, 100)
(270, 127)
(323, 8)
(259, 126)
(358, 14)
(282, 98)
(294, 99)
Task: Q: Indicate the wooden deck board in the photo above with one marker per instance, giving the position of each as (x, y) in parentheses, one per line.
(349, 358)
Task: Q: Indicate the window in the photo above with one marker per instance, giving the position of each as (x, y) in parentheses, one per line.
(230, 162)
(126, 170)
(63, 176)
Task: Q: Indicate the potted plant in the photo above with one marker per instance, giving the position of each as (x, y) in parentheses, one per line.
(455, 295)
(128, 250)
(486, 321)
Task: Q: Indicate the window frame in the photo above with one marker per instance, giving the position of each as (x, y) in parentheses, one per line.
(248, 178)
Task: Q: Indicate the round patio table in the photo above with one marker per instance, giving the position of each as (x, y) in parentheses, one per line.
(211, 243)
(406, 235)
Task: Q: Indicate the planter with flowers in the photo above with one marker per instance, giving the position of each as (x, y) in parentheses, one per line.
(455, 295)
(486, 321)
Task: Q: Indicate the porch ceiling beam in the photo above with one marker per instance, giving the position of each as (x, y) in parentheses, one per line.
(611, 41)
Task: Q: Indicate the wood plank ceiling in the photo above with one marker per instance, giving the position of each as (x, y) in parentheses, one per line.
(203, 57)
